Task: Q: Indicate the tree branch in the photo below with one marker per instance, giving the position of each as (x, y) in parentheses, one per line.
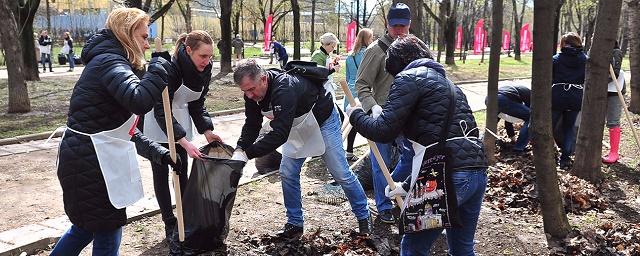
(163, 10)
(433, 15)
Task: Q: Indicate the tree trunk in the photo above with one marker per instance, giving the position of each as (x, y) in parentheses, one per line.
(225, 31)
(24, 13)
(185, 9)
(634, 54)
(553, 215)
(312, 41)
(18, 93)
(444, 9)
(295, 7)
(591, 23)
(494, 75)
(556, 26)
(624, 42)
(517, 21)
(450, 36)
(594, 101)
(236, 23)
(417, 17)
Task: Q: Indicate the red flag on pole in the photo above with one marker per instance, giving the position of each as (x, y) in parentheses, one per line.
(506, 40)
(267, 33)
(525, 38)
(478, 37)
(351, 35)
(459, 38)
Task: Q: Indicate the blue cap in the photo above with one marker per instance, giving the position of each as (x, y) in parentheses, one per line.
(399, 14)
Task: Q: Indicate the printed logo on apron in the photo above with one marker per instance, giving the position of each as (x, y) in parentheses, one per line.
(180, 109)
(118, 161)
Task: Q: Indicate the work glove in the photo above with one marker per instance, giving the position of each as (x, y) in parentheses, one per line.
(164, 63)
(240, 155)
(376, 110)
(399, 191)
(350, 109)
(177, 166)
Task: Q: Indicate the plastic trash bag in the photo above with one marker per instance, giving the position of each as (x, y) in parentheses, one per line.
(207, 201)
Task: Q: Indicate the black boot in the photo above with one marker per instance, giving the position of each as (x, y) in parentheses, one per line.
(169, 227)
(290, 232)
(365, 226)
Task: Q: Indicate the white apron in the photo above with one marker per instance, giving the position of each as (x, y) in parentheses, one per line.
(118, 161)
(611, 87)
(180, 110)
(305, 138)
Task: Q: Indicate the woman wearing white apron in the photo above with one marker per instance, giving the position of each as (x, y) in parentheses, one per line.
(97, 163)
(188, 87)
(418, 104)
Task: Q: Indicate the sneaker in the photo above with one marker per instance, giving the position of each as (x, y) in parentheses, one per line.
(351, 157)
(290, 232)
(364, 226)
(386, 216)
(70, 70)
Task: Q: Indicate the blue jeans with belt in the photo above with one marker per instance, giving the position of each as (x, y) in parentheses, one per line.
(400, 173)
(105, 243)
(335, 160)
(469, 186)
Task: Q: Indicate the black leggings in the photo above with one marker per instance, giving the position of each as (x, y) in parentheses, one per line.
(351, 138)
(161, 182)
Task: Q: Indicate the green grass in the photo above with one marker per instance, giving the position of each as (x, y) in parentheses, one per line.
(481, 118)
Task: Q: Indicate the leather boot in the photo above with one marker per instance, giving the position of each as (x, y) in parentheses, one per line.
(614, 140)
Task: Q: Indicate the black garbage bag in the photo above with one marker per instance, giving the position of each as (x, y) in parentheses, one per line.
(207, 201)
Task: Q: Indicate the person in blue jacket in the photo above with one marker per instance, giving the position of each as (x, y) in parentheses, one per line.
(566, 93)
(363, 40)
(281, 53)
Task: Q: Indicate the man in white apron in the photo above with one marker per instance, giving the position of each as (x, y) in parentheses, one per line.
(306, 124)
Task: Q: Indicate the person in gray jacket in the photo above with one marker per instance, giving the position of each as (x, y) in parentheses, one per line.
(373, 83)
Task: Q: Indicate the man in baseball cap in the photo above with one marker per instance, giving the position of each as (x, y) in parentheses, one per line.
(373, 83)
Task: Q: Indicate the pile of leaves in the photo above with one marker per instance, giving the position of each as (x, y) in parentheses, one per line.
(512, 186)
(607, 239)
(579, 195)
(316, 243)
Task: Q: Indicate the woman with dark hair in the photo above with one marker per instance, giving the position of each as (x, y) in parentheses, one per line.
(566, 93)
(428, 109)
(188, 85)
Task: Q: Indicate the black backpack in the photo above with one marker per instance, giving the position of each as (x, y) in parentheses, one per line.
(309, 70)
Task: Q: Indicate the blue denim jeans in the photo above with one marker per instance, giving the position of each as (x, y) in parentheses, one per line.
(71, 60)
(568, 131)
(75, 239)
(335, 160)
(470, 186)
(400, 173)
(516, 109)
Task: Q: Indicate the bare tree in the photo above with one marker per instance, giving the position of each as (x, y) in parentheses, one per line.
(517, 21)
(447, 28)
(494, 75)
(24, 12)
(18, 93)
(594, 101)
(553, 215)
(295, 6)
(634, 53)
(312, 41)
(185, 10)
(225, 31)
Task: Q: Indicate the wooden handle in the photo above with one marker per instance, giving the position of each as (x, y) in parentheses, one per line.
(374, 148)
(172, 152)
(626, 111)
(158, 43)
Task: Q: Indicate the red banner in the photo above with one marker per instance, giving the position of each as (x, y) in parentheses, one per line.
(351, 35)
(459, 38)
(267, 33)
(479, 37)
(525, 38)
(506, 40)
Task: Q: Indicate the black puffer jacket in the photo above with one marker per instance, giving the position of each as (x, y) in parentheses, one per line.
(104, 98)
(417, 106)
(185, 72)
